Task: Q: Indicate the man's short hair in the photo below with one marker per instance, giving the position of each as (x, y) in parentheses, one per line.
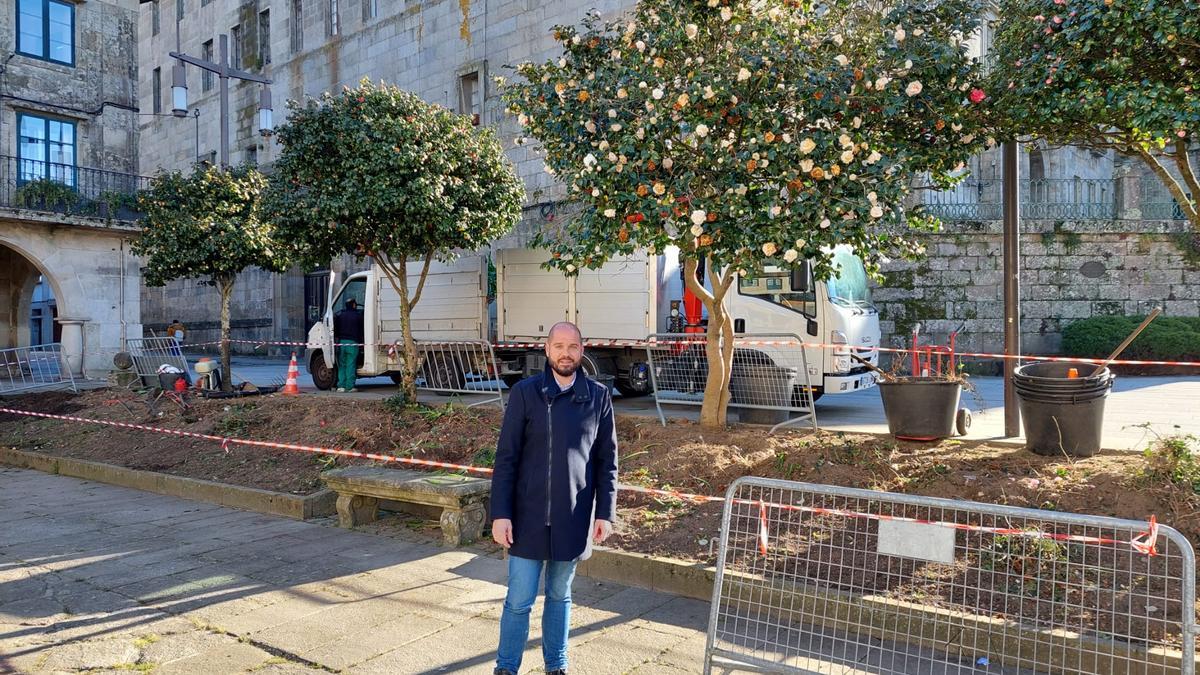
(565, 325)
(351, 302)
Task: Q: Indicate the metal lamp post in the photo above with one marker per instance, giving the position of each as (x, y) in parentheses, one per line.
(224, 72)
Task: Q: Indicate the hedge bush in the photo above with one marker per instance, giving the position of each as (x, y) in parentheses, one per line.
(1165, 339)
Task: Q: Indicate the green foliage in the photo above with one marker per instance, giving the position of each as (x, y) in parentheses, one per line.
(46, 193)
(748, 133)
(207, 224)
(1110, 74)
(1026, 555)
(396, 404)
(1173, 459)
(376, 171)
(1166, 338)
(485, 456)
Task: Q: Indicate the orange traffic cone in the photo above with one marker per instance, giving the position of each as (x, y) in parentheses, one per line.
(292, 387)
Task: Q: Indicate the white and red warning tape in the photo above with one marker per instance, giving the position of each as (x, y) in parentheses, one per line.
(1143, 543)
(643, 344)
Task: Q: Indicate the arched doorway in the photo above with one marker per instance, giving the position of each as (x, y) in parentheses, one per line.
(29, 302)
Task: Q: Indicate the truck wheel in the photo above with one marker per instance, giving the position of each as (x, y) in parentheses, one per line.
(323, 376)
(627, 390)
(443, 376)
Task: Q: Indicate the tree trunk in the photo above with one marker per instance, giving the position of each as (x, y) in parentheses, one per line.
(718, 345)
(225, 284)
(397, 274)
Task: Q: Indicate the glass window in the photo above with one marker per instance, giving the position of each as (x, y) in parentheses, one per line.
(46, 30)
(848, 287)
(334, 28)
(235, 36)
(46, 149)
(774, 285)
(355, 288)
(179, 9)
(297, 28)
(370, 9)
(468, 96)
(155, 20)
(156, 89)
(264, 37)
(206, 76)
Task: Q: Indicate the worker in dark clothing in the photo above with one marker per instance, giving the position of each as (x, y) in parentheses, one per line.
(554, 493)
(348, 334)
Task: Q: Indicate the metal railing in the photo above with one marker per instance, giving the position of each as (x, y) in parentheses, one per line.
(1044, 199)
(149, 354)
(770, 373)
(459, 367)
(34, 367)
(817, 578)
(69, 189)
(1157, 203)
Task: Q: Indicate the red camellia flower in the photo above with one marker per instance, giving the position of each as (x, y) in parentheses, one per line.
(977, 95)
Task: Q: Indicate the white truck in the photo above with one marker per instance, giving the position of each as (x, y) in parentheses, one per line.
(626, 300)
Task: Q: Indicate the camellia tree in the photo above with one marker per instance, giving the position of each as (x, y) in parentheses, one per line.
(377, 172)
(1106, 74)
(751, 133)
(207, 224)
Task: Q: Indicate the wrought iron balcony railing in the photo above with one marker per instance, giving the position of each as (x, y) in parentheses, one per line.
(68, 189)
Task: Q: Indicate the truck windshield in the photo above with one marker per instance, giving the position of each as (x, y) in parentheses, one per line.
(848, 287)
(774, 285)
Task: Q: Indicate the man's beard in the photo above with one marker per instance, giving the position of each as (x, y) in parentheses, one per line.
(565, 370)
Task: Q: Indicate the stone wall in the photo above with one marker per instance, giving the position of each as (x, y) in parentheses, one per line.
(1070, 271)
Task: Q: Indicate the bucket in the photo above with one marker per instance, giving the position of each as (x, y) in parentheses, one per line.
(1062, 415)
(921, 408)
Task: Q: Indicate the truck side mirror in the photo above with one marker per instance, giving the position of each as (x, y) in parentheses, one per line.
(800, 275)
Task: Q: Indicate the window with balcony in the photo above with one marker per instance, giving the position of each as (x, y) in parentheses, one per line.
(45, 149)
(46, 30)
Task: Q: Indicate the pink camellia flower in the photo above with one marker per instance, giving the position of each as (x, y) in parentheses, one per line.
(1181, 133)
(1039, 18)
(977, 95)
(1057, 19)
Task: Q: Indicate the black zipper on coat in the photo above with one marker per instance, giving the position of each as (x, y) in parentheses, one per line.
(549, 452)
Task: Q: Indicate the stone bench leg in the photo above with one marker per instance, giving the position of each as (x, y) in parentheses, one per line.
(356, 509)
(462, 526)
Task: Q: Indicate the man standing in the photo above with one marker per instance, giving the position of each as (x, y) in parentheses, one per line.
(348, 332)
(554, 492)
(178, 332)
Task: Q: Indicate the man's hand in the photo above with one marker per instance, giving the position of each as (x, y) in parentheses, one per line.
(601, 531)
(502, 532)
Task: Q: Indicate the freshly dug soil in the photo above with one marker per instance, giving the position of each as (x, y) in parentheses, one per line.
(681, 457)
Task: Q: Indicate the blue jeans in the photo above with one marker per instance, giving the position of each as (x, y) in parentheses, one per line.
(523, 577)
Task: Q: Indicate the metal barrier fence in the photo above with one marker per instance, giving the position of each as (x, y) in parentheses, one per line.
(770, 373)
(815, 578)
(34, 367)
(460, 367)
(148, 354)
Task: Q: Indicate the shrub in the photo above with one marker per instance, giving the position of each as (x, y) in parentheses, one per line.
(1166, 338)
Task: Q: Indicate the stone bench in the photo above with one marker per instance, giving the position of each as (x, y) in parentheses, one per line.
(460, 498)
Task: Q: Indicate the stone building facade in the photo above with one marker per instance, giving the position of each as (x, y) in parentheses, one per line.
(68, 165)
(447, 52)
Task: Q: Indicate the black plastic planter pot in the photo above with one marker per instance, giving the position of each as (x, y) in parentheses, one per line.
(920, 408)
(1062, 415)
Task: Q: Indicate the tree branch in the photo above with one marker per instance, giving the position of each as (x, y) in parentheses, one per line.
(420, 283)
(1184, 162)
(1186, 205)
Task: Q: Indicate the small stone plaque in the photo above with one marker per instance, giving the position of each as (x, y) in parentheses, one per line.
(922, 541)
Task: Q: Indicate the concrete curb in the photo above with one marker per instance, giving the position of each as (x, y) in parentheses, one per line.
(885, 618)
(299, 507)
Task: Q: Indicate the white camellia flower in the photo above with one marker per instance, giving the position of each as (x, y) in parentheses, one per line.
(590, 126)
(882, 82)
(800, 243)
(726, 13)
(913, 88)
(787, 138)
(523, 119)
(857, 122)
(612, 157)
(668, 163)
(570, 268)
(708, 92)
(806, 165)
(640, 133)
(899, 34)
(845, 141)
(956, 126)
(876, 211)
(842, 60)
(743, 75)
(874, 157)
(790, 255)
(824, 223)
(589, 160)
(615, 127)
(621, 93)
(769, 249)
(919, 32)
(697, 230)
(641, 46)
(692, 30)
(838, 40)
(847, 157)
(595, 192)
(701, 130)
(807, 145)
(698, 216)
(774, 211)
(610, 213)
(872, 197)
(907, 64)
(612, 113)
(657, 93)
